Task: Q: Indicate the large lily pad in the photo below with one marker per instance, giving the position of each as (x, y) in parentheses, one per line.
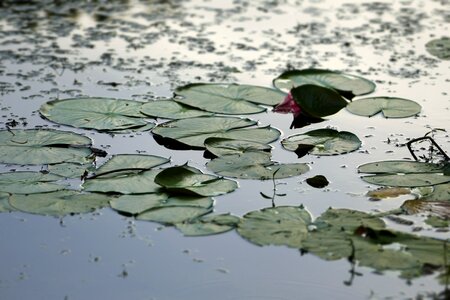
(322, 142)
(169, 109)
(285, 225)
(208, 225)
(221, 146)
(193, 132)
(187, 180)
(103, 114)
(403, 173)
(130, 162)
(390, 107)
(27, 182)
(439, 48)
(254, 165)
(39, 146)
(345, 84)
(59, 203)
(228, 98)
(173, 214)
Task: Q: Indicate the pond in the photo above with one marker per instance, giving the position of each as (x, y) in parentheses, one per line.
(143, 52)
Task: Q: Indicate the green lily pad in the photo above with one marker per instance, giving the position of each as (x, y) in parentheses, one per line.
(27, 182)
(43, 146)
(102, 114)
(441, 192)
(345, 84)
(439, 48)
(254, 165)
(193, 132)
(173, 214)
(187, 180)
(169, 109)
(437, 222)
(4, 203)
(388, 106)
(221, 146)
(285, 225)
(208, 225)
(318, 101)
(231, 99)
(59, 203)
(323, 142)
(403, 173)
(130, 162)
(70, 170)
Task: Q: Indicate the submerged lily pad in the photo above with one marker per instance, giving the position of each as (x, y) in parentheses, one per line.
(169, 109)
(345, 84)
(103, 114)
(439, 48)
(388, 106)
(285, 225)
(254, 165)
(222, 146)
(227, 98)
(187, 180)
(208, 225)
(43, 146)
(403, 173)
(27, 182)
(59, 203)
(322, 142)
(193, 132)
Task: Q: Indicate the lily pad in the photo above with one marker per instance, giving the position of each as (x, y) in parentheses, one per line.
(173, 214)
(130, 162)
(222, 146)
(27, 182)
(102, 114)
(437, 208)
(4, 203)
(345, 84)
(227, 98)
(187, 180)
(322, 142)
(284, 225)
(254, 165)
(437, 222)
(70, 170)
(441, 192)
(403, 173)
(169, 109)
(390, 107)
(208, 225)
(439, 48)
(59, 203)
(39, 146)
(193, 132)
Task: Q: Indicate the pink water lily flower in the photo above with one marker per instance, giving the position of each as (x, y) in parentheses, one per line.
(288, 106)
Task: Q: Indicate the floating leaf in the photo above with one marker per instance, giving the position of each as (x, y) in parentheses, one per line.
(70, 170)
(439, 208)
(285, 225)
(39, 146)
(210, 224)
(187, 180)
(349, 220)
(27, 182)
(437, 222)
(103, 114)
(387, 192)
(58, 203)
(390, 107)
(254, 165)
(130, 162)
(169, 109)
(441, 192)
(318, 101)
(322, 142)
(4, 203)
(318, 181)
(227, 98)
(403, 173)
(345, 84)
(439, 48)
(222, 146)
(194, 131)
(174, 214)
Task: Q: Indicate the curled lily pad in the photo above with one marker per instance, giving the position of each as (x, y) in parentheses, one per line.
(27, 182)
(39, 146)
(130, 162)
(345, 84)
(209, 224)
(193, 132)
(390, 107)
(439, 48)
(59, 203)
(254, 165)
(173, 214)
(322, 142)
(227, 98)
(403, 173)
(169, 109)
(187, 180)
(285, 225)
(103, 114)
(222, 146)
